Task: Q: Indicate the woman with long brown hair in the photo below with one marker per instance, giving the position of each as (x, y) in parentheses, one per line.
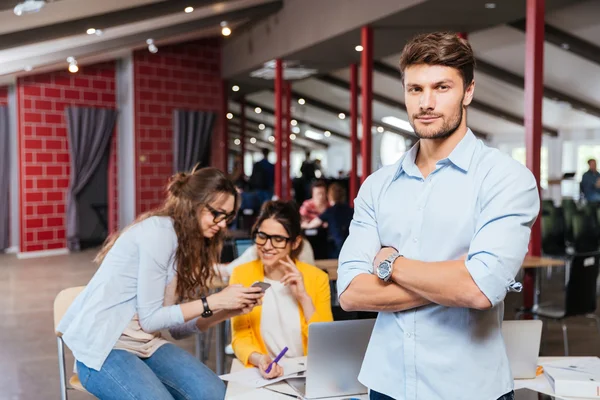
(153, 275)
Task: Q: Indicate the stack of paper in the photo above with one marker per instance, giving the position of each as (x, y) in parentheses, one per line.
(575, 378)
(251, 377)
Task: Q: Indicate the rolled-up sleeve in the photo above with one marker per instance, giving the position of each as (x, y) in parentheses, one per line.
(363, 243)
(510, 205)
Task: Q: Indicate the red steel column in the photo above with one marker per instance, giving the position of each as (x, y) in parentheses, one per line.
(288, 142)
(278, 127)
(243, 129)
(353, 133)
(224, 127)
(534, 87)
(367, 99)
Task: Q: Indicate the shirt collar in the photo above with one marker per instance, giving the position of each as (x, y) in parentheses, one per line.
(461, 156)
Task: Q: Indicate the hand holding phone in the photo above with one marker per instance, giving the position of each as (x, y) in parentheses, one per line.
(263, 285)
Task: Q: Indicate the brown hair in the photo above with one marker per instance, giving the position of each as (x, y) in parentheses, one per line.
(287, 214)
(195, 255)
(336, 193)
(440, 48)
(319, 184)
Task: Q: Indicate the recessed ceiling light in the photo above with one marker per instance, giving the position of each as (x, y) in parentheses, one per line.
(327, 133)
(28, 68)
(261, 127)
(342, 115)
(293, 136)
(73, 68)
(380, 129)
(294, 122)
(225, 30)
(252, 140)
(237, 142)
(296, 129)
(189, 10)
(91, 31)
(235, 88)
(490, 6)
(258, 110)
(301, 102)
(229, 116)
(358, 48)
(271, 139)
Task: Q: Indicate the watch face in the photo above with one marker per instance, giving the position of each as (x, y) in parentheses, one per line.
(384, 270)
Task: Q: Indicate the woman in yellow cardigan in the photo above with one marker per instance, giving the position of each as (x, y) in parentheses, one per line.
(299, 294)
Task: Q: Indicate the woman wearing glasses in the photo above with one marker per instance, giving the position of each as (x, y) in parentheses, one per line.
(154, 275)
(299, 294)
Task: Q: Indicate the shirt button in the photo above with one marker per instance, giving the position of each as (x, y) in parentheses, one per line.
(415, 240)
(408, 335)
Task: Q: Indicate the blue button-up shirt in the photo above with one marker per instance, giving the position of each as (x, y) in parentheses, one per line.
(479, 202)
(588, 186)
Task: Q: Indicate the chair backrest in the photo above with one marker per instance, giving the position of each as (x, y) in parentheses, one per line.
(553, 232)
(585, 238)
(581, 289)
(318, 240)
(63, 301)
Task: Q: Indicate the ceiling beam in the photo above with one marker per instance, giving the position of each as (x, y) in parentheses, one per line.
(566, 41)
(295, 143)
(494, 111)
(271, 112)
(268, 125)
(388, 101)
(313, 102)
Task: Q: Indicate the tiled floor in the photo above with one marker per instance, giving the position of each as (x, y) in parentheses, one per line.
(28, 360)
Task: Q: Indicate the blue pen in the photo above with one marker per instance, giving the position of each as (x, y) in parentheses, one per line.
(276, 360)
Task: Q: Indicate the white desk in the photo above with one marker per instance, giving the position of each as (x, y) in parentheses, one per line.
(239, 392)
(236, 391)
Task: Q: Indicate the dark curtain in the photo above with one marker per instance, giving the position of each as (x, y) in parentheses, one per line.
(89, 132)
(4, 179)
(192, 131)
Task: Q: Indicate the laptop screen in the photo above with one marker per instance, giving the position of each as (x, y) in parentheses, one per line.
(241, 245)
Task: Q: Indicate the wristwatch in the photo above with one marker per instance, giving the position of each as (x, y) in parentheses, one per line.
(386, 267)
(207, 311)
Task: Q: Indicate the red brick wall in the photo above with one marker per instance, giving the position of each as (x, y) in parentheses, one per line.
(3, 95)
(188, 76)
(43, 148)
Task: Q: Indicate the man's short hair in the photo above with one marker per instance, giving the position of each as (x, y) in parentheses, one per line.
(440, 48)
(590, 160)
(319, 184)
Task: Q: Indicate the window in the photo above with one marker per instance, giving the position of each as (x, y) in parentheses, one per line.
(518, 154)
(392, 148)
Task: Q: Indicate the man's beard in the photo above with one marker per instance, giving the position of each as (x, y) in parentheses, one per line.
(445, 131)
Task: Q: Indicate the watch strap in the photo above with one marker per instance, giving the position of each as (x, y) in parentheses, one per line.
(207, 311)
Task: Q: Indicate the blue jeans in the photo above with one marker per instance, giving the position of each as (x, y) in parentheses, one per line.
(171, 373)
(378, 396)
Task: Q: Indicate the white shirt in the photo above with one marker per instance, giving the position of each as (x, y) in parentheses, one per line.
(280, 321)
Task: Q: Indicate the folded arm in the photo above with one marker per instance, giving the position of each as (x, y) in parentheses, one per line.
(358, 288)
(509, 207)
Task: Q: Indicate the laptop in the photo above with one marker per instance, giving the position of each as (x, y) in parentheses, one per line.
(241, 245)
(335, 355)
(522, 340)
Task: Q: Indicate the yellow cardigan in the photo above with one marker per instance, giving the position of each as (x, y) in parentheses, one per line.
(246, 328)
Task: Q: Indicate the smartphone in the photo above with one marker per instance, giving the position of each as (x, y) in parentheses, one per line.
(263, 285)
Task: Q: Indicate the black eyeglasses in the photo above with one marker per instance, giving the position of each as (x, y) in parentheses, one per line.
(219, 216)
(277, 241)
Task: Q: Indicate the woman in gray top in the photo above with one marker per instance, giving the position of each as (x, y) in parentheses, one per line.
(153, 275)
